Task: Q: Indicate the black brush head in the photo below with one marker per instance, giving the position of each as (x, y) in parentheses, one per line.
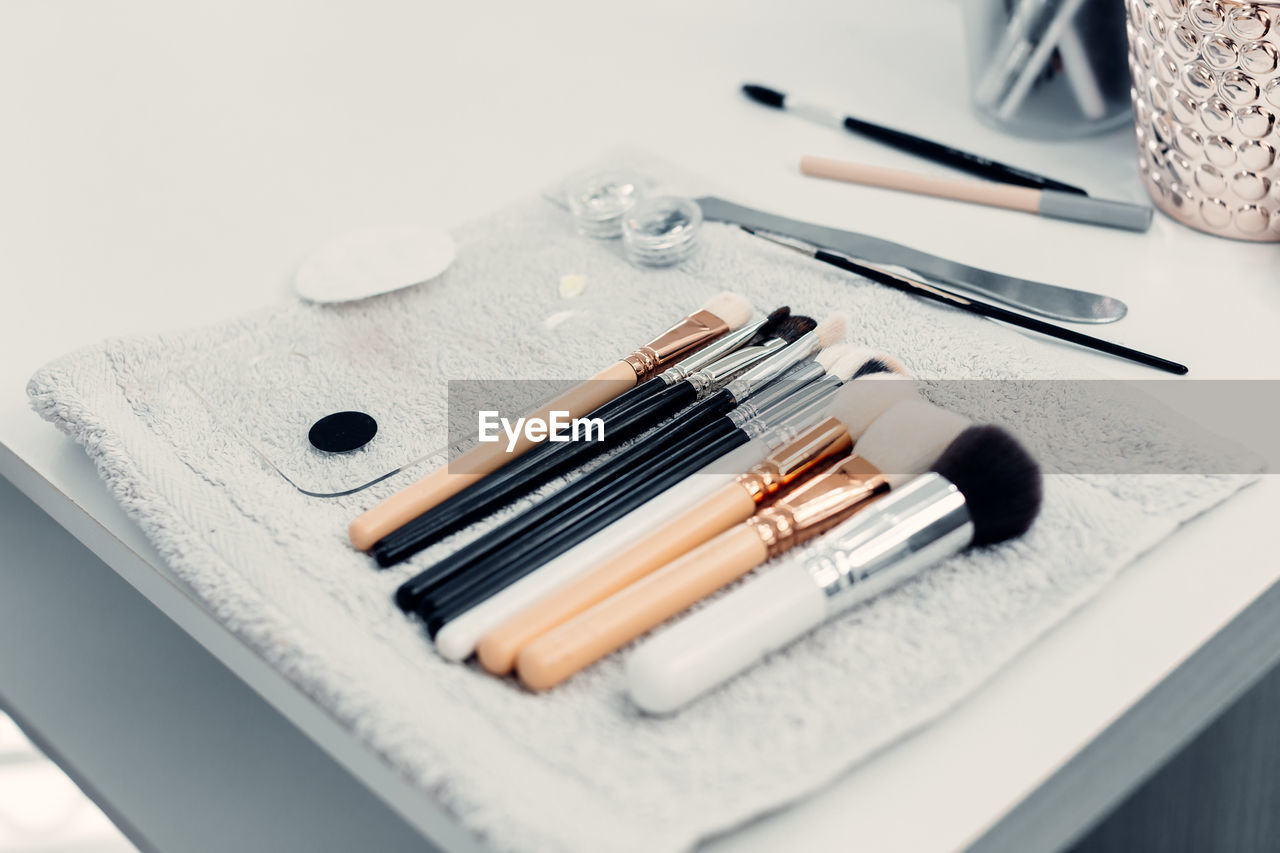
(999, 479)
(794, 327)
(765, 95)
(776, 318)
(874, 365)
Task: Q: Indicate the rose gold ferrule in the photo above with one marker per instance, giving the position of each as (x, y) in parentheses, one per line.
(794, 460)
(689, 335)
(819, 505)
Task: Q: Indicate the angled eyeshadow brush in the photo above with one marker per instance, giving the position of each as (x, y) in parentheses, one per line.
(720, 315)
(984, 489)
(653, 446)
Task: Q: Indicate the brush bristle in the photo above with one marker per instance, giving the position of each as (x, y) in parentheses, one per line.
(730, 307)
(795, 327)
(908, 438)
(853, 363)
(776, 318)
(999, 479)
(831, 355)
(860, 402)
(881, 363)
(833, 329)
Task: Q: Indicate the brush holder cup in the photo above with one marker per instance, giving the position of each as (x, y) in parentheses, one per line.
(1048, 69)
(1206, 99)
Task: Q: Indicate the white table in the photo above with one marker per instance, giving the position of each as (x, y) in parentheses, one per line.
(164, 166)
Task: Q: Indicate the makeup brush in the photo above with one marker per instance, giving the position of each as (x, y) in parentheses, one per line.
(1054, 204)
(749, 335)
(600, 486)
(973, 306)
(623, 494)
(984, 489)
(459, 637)
(520, 477)
(721, 314)
(903, 442)
(853, 409)
(965, 161)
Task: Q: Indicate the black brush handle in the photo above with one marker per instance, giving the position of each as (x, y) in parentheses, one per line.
(637, 478)
(521, 477)
(995, 312)
(956, 158)
(654, 445)
(509, 570)
(629, 398)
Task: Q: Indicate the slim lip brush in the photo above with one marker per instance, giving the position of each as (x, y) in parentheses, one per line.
(719, 315)
(543, 463)
(903, 442)
(654, 445)
(430, 527)
(973, 306)
(791, 411)
(984, 489)
(965, 161)
(789, 465)
(459, 636)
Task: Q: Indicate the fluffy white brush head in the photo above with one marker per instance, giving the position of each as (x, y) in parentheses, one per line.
(832, 330)
(908, 438)
(832, 354)
(731, 307)
(858, 403)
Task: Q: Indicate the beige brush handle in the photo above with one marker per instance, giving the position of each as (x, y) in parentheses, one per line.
(443, 483)
(647, 603)
(989, 193)
(729, 506)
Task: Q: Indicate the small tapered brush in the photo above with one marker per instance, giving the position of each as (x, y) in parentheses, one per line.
(654, 446)
(984, 489)
(506, 485)
(903, 442)
(551, 459)
(718, 316)
(856, 405)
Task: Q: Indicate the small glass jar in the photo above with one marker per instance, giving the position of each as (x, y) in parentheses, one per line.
(1048, 69)
(598, 202)
(661, 231)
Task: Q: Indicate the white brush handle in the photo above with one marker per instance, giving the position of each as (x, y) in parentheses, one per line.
(457, 640)
(717, 643)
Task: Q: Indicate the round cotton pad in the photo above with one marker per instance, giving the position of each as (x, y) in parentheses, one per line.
(374, 260)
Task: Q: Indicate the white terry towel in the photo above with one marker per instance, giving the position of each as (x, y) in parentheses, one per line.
(182, 428)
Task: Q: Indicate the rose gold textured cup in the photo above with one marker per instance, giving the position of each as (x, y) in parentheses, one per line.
(1206, 102)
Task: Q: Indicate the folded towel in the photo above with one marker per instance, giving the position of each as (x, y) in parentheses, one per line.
(201, 436)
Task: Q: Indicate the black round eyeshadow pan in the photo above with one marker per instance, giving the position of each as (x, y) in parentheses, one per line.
(342, 432)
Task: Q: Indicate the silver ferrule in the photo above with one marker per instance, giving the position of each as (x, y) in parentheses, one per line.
(804, 347)
(714, 376)
(791, 416)
(682, 370)
(789, 383)
(914, 526)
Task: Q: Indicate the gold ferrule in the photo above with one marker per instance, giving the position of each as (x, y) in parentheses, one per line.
(789, 463)
(684, 338)
(819, 505)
